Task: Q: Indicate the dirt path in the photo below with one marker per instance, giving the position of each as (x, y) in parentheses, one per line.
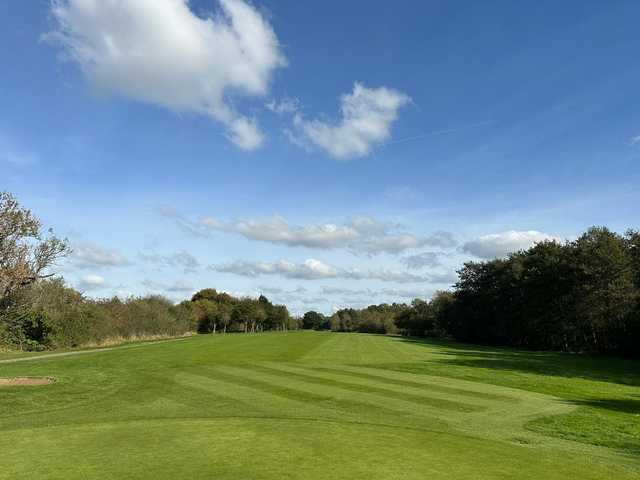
(93, 350)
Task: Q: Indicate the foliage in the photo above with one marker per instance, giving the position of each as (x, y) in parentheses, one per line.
(49, 315)
(25, 251)
(313, 320)
(580, 296)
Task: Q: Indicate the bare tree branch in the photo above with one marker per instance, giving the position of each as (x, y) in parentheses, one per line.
(25, 252)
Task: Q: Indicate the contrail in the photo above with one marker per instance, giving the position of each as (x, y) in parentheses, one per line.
(436, 133)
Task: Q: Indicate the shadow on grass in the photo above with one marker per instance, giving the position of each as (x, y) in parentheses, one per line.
(568, 365)
(615, 405)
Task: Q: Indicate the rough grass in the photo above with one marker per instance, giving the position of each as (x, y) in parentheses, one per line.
(309, 405)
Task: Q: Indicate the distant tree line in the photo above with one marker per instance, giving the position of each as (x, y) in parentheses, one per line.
(48, 314)
(220, 312)
(579, 296)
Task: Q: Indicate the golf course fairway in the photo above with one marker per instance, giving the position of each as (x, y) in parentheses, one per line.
(319, 405)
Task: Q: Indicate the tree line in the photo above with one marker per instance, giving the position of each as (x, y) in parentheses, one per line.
(48, 314)
(577, 296)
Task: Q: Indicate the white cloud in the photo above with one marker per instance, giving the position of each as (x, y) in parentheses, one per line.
(92, 282)
(277, 230)
(287, 105)
(395, 244)
(635, 140)
(360, 235)
(160, 52)
(197, 229)
(88, 255)
(501, 244)
(181, 259)
(312, 269)
(367, 115)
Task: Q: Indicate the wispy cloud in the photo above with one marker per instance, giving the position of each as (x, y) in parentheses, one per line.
(180, 259)
(313, 269)
(91, 256)
(178, 286)
(362, 235)
(287, 105)
(424, 259)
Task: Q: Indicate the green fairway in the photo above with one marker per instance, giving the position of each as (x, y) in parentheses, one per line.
(310, 405)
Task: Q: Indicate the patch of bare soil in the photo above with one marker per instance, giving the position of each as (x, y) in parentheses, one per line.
(25, 381)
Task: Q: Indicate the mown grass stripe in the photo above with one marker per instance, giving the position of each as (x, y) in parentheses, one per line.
(413, 384)
(355, 387)
(337, 404)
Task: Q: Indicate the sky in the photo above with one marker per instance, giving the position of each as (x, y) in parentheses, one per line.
(326, 154)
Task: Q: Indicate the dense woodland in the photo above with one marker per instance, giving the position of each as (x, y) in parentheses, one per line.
(579, 296)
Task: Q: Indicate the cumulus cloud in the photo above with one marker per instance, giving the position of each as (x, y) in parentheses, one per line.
(181, 259)
(92, 282)
(367, 115)
(360, 235)
(160, 52)
(88, 255)
(501, 244)
(312, 269)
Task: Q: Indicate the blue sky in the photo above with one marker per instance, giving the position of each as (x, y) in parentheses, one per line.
(326, 154)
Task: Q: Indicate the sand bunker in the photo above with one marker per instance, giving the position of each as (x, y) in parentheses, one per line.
(25, 381)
